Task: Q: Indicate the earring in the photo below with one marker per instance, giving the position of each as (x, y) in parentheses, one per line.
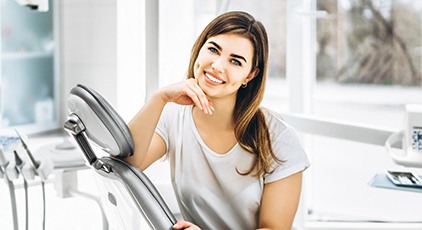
(244, 85)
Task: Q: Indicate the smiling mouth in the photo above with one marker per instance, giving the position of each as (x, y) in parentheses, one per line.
(213, 79)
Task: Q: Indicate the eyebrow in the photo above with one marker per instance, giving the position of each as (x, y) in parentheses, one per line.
(233, 55)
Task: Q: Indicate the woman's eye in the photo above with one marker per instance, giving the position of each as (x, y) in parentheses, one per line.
(236, 62)
(212, 49)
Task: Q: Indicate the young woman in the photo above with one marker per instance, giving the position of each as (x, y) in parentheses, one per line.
(234, 165)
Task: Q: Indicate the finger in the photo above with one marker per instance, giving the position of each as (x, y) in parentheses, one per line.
(181, 224)
(194, 97)
(198, 95)
(211, 106)
(203, 100)
(206, 104)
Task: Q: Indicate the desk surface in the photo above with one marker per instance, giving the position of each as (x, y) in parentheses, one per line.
(62, 158)
(64, 153)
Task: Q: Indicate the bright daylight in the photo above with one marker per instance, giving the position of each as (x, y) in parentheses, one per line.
(211, 114)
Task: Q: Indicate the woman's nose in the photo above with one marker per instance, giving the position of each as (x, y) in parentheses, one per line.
(218, 65)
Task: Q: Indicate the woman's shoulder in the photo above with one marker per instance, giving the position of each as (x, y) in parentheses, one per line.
(173, 111)
(173, 108)
(279, 129)
(287, 146)
(275, 120)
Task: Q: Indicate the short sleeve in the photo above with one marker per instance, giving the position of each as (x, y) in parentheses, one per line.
(288, 148)
(166, 123)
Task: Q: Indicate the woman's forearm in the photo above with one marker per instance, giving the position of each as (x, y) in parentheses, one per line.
(142, 127)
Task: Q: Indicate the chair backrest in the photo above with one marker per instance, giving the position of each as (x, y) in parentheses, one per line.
(126, 191)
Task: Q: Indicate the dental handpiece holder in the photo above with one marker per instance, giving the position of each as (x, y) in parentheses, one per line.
(42, 167)
(30, 167)
(410, 137)
(92, 120)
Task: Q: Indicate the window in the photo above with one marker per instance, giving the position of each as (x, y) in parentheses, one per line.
(368, 66)
(28, 83)
(371, 49)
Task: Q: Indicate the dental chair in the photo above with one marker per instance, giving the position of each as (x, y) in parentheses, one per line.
(127, 195)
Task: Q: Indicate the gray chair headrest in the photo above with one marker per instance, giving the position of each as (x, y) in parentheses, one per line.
(103, 124)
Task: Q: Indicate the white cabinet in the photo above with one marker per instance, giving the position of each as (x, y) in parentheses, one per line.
(28, 81)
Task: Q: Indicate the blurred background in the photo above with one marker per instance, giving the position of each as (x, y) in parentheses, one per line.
(353, 61)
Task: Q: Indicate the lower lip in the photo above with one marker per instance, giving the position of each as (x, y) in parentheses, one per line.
(208, 81)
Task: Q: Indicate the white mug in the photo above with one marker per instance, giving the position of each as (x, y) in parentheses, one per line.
(411, 138)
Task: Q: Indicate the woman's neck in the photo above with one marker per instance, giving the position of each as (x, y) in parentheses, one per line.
(222, 116)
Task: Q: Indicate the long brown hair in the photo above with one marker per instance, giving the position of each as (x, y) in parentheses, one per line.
(251, 129)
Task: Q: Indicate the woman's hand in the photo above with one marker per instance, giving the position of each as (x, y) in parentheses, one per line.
(181, 224)
(187, 92)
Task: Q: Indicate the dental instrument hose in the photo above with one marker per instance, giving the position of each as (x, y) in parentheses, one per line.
(36, 166)
(43, 204)
(19, 165)
(11, 186)
(13, 202)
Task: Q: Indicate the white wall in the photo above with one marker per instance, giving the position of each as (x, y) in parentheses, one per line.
(131, 61)
(88, 46)
(176, 33)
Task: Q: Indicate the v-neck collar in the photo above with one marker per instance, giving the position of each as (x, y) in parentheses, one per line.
(201, 141)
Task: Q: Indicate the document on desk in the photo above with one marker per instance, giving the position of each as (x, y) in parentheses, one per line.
(381, 180)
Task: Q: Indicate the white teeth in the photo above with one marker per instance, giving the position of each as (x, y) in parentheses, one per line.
(213, 79)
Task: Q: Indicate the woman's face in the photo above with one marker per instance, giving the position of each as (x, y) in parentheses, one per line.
(223, 64)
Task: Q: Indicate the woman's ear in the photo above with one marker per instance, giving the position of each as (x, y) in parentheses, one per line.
(252, 75)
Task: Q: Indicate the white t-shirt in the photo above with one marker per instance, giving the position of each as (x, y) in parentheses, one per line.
(210, 191)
